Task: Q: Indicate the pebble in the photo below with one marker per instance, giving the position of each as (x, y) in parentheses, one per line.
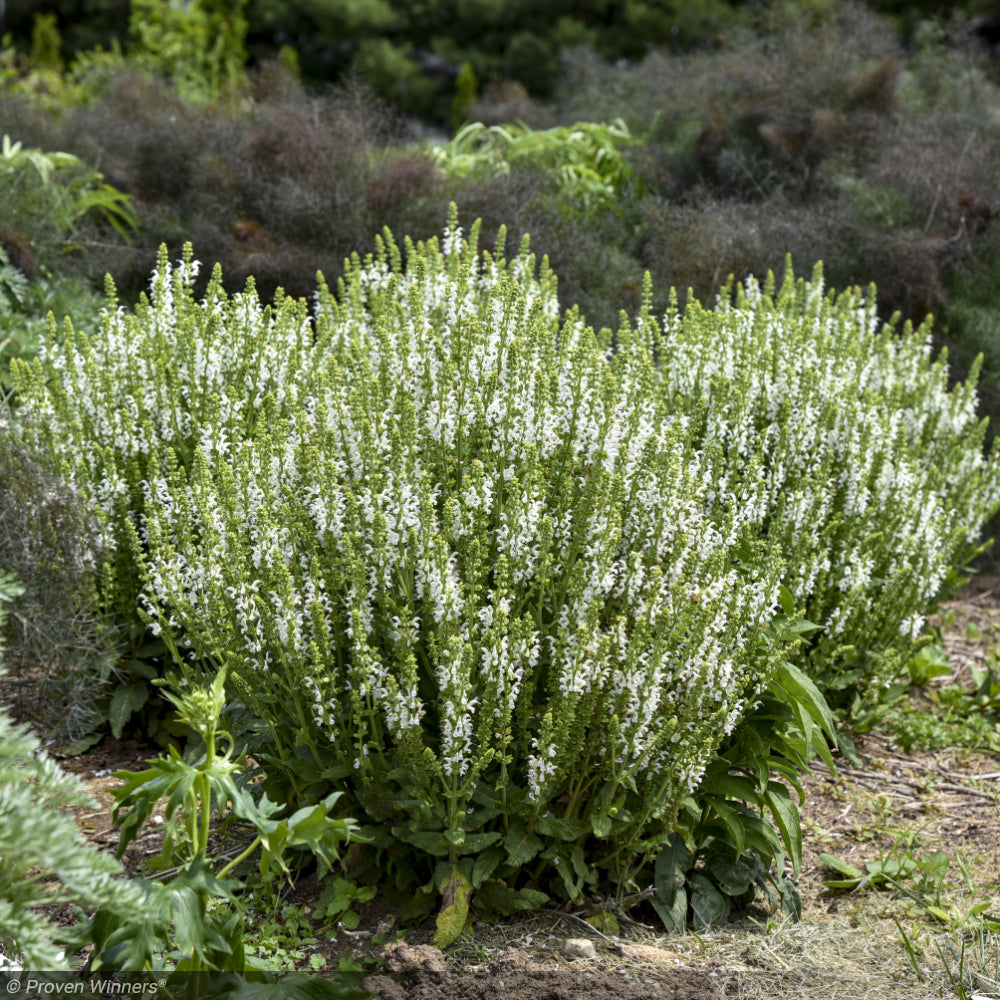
(647, 953)
(579, 948)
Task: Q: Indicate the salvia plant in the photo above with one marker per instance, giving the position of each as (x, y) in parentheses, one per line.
(447, 547)
(843, 439)
(509, 585)
(154, 382)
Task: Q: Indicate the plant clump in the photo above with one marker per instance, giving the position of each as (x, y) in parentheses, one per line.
(845, 440)
(513, 586)
(452, 548)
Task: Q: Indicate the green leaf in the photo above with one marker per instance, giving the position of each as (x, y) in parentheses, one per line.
(733, 820)
(126, 699)
(309, 827)
(601, 825)
(733, 786)
(486, 864)
(786, 815)
(521, 845)
(454, 910)
(841, 866)
(476, 842)
(803, 691)
(561, 829)
(674, 915)
(734, 879)
(787, 600)
(494, 899)
(669, 877)
(708, 906)
(671, 866)
(791, 901)
(427, 840)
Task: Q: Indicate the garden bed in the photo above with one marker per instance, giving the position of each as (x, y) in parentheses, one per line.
(845, 946)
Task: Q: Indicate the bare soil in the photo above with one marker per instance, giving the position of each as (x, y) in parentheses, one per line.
(845, 946)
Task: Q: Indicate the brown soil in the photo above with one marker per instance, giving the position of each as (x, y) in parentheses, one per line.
(846, 947)
(513, 976)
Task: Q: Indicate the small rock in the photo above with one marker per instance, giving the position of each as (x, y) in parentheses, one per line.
(404, 959)
(579, 948)
(647, 953)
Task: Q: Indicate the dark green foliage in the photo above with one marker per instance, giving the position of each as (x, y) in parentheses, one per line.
(410, 52)
(823, 138)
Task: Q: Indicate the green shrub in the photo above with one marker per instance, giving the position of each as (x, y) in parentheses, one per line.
(484, 571)
(199, 46)
(451, 556)
(50, 194)
(843, 439)
(25, 305)
(587, 158)
(203, 396)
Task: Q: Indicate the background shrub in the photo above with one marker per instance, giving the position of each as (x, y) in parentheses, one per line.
(45, 863)
(56, 639)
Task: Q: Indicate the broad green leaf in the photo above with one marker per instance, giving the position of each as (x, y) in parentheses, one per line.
(521, 845)
(786, 816)
(473, 843)
(454, 910)
(486, 864)
(708, 906)
(670, 870)
(733, 879)
(563, 829)
(126, 699)
(673, 915)
(495, 899)
(841, 866)
(427, 840)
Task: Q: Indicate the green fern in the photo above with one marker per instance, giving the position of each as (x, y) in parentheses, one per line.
(13, 286)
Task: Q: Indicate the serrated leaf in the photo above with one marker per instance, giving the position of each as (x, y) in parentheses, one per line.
(495, 899)
(126, 699)
(476, 842)
(561, 829)
(486, 864)
(601, 824)
(427, 840)
(521, 846)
